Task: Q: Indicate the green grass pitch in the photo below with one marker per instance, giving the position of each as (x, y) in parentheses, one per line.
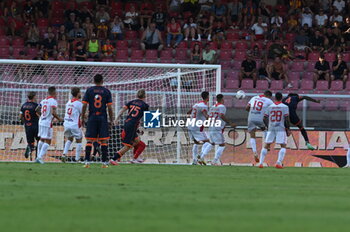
(157, 198)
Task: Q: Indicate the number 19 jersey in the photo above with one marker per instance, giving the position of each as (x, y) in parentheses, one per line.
(258, 106)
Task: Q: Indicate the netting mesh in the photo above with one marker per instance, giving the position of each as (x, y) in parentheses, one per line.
(164, 92)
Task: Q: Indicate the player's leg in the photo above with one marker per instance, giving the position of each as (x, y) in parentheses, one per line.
(45, 137)
(195, 151)
(30, 142)
(103, 138)
(91, 136)
(297, 122)
(138, 149)
(252, 141)
(218, 154)
(67, 145)
(78, 149)
(197, 137)
(129, 139)
(281, 139)
(269, 139)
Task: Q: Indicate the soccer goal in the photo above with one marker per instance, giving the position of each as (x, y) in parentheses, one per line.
(171, 88)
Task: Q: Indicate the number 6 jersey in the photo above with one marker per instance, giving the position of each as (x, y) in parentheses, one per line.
(258, 106)
(277, 113)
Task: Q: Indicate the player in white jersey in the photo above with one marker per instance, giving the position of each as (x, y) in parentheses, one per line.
(47, 111)
(199, 112)
(277, 116)
(256, 108)
(217, 113)
(72, 124)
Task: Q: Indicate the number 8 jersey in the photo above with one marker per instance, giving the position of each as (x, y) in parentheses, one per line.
(46, 116)
(277, 113)
(258, 106)
(98, 97)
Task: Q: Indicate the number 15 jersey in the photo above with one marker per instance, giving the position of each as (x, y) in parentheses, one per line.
(277, 112)
(98, 97)
(258, 106)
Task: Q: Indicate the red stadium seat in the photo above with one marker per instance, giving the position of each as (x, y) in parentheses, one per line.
(230, 36)
(42, 22)
(307, 85)
(262, 85)
(117, 5)
(315, 106)
(297, 67)
(247, 84)
(241, 104)
(331, 105)
(232, 84)
(295, 84)
(225, 55)
(310, 66)
(131, 35)
(294, 76)
(128, 6)
(122, 44)
(4, 52)
(181, 55)
(322, 85)
(290, 36)
(236, 65)
(136, 56)
(308, 76)
(346, 57)
(57, 4)
(233, 75)
(56, 22)
(226, 45)
(276, 85)
(16, 51)
(18, 42)
(88, 4)
(122, 55)
(313, 56)
(336, 86)
(330, 57)
(241, 46)
(183, 45)
(226, 64)
(166, 54)
(151, 54)
(4, 42)
(240, 55)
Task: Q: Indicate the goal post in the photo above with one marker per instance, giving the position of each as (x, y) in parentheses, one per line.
(171, 88)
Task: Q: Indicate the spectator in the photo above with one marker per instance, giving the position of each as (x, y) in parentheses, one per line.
(322, 70)
(218, 33)
(259, 29)
(49, 46)
(131, 19)
(263, 11)
(318, 42)
(262, 71)
(346, 30)
(93, 47)
(234, 15)
(102, 15)
(196, 54)
(190, 6)
(292, 23)
(321, 19)
(102, 30)
(324, 4)
(69, 25)
(340, 69)
(205, 5)
(190, 29)
(102, 3)
(76, 32)
(256, 53)
(63, 48)
(108, 49)
(174, 32)
(80, 54)
(336, 17)
(49, 31)
(277, 71)
(29, 12)
(331, 41)
(88, 27)
(145, 14)
(16, 25)
(306, 17)
(174, 6)
(204, 28)
(151, 38)
(301, 42)
(339, 5)
(42, 8)
(117, 28)
(248, 14)
(33, 36)
(218, 12)
(159, 18)
(85, 13)
(248, 69)
(71, 10)
(274, 33)
(209, 55)
(276, 19)
(61, 31)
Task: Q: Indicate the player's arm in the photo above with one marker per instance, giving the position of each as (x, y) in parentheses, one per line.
(205, 113)
(21, 118)
(38, 110)
(307, 98)
(247, 108)
(110, 113)
(55, 115)
(189, 111)
(287, 124)
(223, 117)
(266, 120)
(120, 113)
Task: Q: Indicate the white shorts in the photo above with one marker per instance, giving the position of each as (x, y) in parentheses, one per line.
(73, 132)
(45, 132)
(198, 135)
(216, 137)
(255, 124)
(280, 137)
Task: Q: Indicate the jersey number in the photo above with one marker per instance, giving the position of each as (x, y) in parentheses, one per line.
(98, 101)
(134, 111)
(194, 113)
(44, 110)
(214, 115)
(258, 105)
(27, 115)
(276, 116)
(69, 111)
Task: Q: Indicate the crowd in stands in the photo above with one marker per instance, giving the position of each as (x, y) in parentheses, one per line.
(256, 40)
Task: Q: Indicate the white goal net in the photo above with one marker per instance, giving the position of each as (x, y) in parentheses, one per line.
(171, 88)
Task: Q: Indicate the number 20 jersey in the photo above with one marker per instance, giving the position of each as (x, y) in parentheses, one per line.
(277, 112)
(258, 106)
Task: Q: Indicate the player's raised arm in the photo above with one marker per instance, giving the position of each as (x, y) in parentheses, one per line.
(120, 113)
(307, 98)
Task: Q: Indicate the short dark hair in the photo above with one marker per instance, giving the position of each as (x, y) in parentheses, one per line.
(74, 91)
(98, 78)
(278, 96)
(31, 95)
(205, 95)
(293, 95)
(268, 93)
(141, 93)
(52, 89)
(322, 56)
(219, 97)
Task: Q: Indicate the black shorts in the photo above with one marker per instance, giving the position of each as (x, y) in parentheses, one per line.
(294, 119)
(276, 75)
(152, 46)
(129, 134)
(97, 128)
(31, 134)
(322, 76)
(337, 76)
(245, 76)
